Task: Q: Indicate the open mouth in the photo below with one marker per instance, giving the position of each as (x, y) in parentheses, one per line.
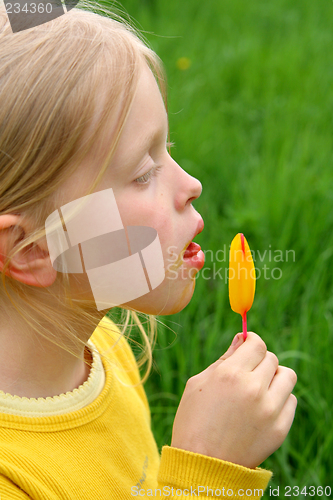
(192, 249)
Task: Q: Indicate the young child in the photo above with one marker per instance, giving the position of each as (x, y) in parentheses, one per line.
(81, 112)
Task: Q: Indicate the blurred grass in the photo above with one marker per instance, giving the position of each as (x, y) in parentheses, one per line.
(252, 118)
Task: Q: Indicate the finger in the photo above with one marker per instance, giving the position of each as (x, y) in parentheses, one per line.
(237, 342)
(266, 370)
(282, 384)
(250, 353)
(286, 417)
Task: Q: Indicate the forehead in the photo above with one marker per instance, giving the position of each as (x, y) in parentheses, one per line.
(147, 120)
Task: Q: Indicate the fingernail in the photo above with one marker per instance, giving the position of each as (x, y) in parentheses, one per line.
(235, 340)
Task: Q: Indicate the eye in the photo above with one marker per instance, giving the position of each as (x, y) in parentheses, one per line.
(145, 179)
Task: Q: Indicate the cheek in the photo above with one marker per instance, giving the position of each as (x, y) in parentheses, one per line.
(170, 253)
(136, 211)
(133, 211)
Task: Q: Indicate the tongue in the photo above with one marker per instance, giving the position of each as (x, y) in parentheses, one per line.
(191, 250)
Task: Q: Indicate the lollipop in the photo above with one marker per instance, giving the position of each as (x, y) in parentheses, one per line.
(242, 278)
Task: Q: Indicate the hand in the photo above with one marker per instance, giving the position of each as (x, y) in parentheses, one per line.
(239, 409)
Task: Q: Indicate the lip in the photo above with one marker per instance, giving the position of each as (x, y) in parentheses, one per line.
(179, 261)
(199, 229)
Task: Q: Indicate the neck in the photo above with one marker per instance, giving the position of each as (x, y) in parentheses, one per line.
(32, 366)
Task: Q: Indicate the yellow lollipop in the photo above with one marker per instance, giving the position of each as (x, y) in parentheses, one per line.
(242, 278)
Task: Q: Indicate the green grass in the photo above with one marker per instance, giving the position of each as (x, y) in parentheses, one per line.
(252, 119)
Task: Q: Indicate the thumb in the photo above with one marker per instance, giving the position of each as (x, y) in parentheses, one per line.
(237, 341)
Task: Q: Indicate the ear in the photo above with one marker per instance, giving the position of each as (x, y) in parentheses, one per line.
(32, 265)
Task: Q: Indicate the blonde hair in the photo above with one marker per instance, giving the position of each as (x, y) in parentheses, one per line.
(50, 79)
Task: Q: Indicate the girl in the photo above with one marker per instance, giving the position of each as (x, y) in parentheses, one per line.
(82, 113)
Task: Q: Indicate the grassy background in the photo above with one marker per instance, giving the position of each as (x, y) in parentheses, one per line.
(252, 119)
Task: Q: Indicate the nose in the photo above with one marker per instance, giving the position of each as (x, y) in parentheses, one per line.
(195, 188)
(187, 187)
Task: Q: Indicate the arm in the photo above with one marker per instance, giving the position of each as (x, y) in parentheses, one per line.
(10, 491)
(211, 477)
(232, 416)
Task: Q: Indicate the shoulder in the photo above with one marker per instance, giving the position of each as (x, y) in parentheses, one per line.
(107, 334)
(8, 489)
(113, 346)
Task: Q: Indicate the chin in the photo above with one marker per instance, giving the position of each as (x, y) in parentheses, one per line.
(163, 304)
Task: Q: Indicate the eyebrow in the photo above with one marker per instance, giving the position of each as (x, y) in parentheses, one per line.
(140, 148)
(149, 139)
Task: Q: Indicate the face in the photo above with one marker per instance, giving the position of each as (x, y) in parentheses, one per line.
(151, 189)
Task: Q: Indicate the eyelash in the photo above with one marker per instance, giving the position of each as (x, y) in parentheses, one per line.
(146, 177)
(152, 172)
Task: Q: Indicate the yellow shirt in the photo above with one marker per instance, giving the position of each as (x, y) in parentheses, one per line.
(96, 443)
